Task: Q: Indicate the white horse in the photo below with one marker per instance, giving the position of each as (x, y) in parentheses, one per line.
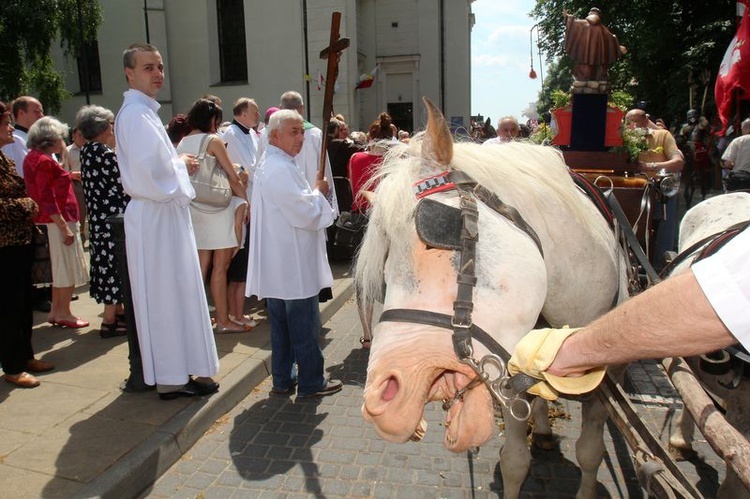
(576, 275)
(705, 219)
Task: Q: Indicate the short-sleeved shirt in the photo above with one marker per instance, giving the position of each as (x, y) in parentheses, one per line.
(661, 147)
(738, 152)
(725, 280)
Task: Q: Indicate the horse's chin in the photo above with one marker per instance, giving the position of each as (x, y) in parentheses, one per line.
(469, 422)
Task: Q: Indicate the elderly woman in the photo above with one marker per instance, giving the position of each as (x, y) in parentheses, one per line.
(17, 212)
(51, 186)
(105, 197)
(217, 232)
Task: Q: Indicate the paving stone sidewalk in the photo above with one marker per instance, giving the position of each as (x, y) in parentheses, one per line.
(277, 447)
(79, 435)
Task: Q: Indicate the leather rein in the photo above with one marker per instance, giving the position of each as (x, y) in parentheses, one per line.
(457, 229)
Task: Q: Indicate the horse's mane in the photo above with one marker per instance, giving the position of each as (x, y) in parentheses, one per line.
(524, 173)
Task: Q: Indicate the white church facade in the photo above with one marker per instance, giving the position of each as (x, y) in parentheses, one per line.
(262, 48)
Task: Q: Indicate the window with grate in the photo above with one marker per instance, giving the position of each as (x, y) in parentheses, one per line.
(232, 47)
(89, 70)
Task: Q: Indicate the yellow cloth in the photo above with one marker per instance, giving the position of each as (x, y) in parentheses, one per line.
(534, 354)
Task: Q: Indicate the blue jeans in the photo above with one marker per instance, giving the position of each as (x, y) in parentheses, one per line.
(295, 326)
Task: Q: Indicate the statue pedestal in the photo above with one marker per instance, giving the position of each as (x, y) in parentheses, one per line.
(589, 122)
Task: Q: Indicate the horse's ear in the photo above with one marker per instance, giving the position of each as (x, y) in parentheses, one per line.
(437, 145)
(369, 196)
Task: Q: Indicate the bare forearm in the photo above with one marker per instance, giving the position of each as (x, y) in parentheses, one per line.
(671, 319)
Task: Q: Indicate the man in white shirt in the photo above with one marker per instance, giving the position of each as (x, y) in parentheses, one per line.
(309, 157)
(242, 139)
(698, 311)
(288, 264)
(171, 312)
(242, 145)
(26, 111)
(736, 159)
(507, 131)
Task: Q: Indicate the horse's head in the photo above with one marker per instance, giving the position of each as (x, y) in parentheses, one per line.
(412, 364)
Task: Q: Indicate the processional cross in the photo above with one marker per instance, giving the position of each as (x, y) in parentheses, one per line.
(332, 52)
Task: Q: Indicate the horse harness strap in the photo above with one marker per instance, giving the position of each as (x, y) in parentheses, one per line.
(427, 318)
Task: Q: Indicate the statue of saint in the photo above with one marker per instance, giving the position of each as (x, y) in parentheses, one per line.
(591, 46)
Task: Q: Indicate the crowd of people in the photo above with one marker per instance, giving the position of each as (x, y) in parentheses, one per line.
(58, 187)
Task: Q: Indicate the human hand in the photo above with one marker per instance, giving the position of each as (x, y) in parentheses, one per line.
(322, 186)
(533, 356)
(191, 163)
(75, 175)
(69, 236)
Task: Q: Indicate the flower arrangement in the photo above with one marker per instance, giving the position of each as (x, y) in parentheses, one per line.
(634, 141)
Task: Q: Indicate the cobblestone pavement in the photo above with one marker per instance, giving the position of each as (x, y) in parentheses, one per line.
(271, 446)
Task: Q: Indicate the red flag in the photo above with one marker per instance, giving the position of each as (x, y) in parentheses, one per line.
(734, 72)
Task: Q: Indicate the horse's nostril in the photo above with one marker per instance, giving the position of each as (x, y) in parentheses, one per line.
(391, 389)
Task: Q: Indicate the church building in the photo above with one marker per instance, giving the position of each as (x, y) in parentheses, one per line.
(400, 50)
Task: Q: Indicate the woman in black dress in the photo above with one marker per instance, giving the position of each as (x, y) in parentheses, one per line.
(104, 197)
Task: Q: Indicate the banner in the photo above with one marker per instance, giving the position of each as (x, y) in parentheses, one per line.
(734, 73)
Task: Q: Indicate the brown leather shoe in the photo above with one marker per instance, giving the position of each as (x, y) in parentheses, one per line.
(24, 380)
(39, 366)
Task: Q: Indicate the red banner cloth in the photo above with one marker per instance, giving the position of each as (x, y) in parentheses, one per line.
(734, 73)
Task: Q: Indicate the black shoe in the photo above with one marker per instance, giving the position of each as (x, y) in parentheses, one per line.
(287, 391)
(74, 297)
(191, 389)
(332, 386)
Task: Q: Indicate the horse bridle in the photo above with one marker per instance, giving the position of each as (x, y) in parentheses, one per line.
(457, 229)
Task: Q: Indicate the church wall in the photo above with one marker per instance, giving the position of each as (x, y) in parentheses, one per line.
(185, 31)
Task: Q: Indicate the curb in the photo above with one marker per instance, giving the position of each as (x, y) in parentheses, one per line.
(143, 465)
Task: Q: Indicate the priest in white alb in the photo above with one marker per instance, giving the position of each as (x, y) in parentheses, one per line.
(169, 300)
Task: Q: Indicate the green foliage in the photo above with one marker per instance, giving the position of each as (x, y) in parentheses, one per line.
(671, 45)
(27, 31)
(560, 99)
(543, 134)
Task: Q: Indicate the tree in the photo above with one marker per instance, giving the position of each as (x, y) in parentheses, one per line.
(27, 31)
(672, 45)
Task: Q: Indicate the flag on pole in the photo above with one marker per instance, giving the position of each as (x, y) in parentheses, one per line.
(367, 79)
(734, 72)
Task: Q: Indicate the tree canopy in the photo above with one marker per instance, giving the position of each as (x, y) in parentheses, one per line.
(673, 46)
(27, 32)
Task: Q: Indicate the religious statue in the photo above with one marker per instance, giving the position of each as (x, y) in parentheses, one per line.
(591, 46)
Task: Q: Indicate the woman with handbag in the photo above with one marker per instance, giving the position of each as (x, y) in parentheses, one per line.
(17, 228)
(214, 211)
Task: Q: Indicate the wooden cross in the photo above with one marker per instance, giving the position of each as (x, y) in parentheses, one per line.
(332, 52)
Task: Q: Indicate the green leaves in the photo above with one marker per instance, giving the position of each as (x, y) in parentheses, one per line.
(27, 31)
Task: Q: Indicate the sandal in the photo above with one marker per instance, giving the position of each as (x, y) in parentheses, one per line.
(120, 320)
(244, 320)
(237, 328)
(112, 330)
(365, 342)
